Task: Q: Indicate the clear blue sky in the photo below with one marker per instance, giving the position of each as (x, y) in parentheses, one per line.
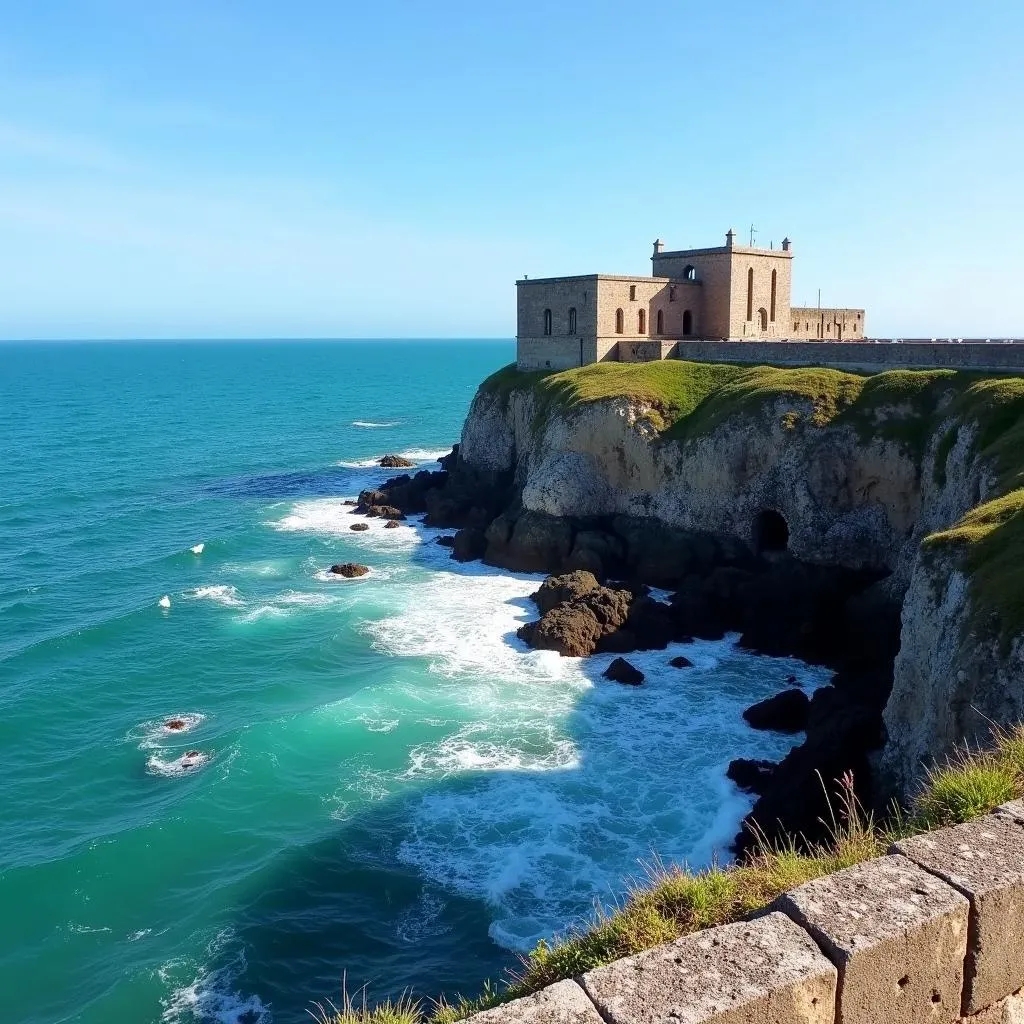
(192, 168)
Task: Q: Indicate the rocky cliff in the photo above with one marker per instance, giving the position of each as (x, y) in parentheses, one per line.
(804, 507)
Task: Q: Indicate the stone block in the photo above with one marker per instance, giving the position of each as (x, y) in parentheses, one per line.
(562, 1003)
(1007, 1011)
(983, 859)
(766, 971)
(897, 934)
(1014, 809)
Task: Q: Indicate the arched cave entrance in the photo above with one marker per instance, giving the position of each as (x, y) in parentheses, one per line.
(771, 531)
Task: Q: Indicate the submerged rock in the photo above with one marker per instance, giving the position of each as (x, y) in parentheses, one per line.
(620, 671)
(350, 570)
(785, 712)
(680, 662)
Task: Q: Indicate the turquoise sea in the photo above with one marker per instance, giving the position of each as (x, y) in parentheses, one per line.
(387, 786)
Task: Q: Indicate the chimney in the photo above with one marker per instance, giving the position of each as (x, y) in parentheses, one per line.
(729, 236)
(786, 243)
(659, 247)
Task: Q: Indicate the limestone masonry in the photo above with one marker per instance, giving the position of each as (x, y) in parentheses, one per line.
(930, 933)
(722, 293)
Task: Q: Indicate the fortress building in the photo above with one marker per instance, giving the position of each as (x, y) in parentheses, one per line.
(730, 292)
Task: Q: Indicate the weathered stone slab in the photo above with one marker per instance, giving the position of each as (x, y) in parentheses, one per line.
(1014, 809)
(1007, 1011)
(767, 971)
(983, 859)
(562, 1003)
(898, 936)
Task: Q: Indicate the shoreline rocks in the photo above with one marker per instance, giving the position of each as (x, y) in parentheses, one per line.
(620, 671)
(349, 570)
(395, 462)
(786, 712)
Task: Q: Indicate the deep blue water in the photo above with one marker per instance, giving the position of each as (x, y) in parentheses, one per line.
(387, 784)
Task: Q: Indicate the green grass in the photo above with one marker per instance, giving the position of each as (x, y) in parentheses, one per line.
(674, 901)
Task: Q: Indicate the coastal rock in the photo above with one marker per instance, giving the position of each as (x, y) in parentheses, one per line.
(469, 544)
(175, 724)
(571, 630)
(383, 512)
(359, 527)
(349, 570)
(395, 462)
(537, 543)
(391, 524)
(620, 671)
(681, 662)
(556, 590)
(752, 776)
(785, 712)
(447, 541)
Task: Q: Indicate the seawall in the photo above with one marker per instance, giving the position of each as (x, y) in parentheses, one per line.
(932, 932)
(869, 356)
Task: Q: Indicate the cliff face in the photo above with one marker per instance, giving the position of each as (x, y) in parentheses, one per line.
(861, 470)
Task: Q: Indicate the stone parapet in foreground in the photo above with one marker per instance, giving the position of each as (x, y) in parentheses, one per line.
(933, 932)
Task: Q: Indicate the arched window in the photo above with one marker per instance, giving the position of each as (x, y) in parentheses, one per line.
(762, 316)
(773, 297)
(572, 319)
(687, 322)
(641, 321)
(661, 321)
(547, 321)
(690, 273)
(618, 321)
(750, 293)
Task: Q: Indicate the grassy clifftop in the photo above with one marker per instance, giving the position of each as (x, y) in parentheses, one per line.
(690, 399)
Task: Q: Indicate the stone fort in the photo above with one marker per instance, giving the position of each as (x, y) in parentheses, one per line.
(729, 292)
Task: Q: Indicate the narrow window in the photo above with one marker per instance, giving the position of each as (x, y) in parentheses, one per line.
(762, 318)
(632, 293)
(773, 297)
(690, 273)
(796, 327)
(661, 321)
(618, 321)
(547, 321)
(641, 321)
(687, 322)
(572, 319)
(750, 294)
(807, 327)
(672, 293)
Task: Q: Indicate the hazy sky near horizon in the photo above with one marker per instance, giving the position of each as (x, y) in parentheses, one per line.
(203, 168)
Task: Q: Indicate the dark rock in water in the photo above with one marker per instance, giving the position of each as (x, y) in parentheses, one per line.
(449, 461)
(349, 501)
(556, 590)
(680, 662)
(175, 724)
(395, 462)
(785, 712)
(391, 524)
(750, 775)
(620, 671)
(571, 630)
(359, 527)
(350, 570)
(792, 681)
(469, 544)
(382, 512)
(445, 542)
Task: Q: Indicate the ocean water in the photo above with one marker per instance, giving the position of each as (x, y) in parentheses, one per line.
(384, 783)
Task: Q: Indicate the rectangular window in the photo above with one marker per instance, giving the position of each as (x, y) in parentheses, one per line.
(632, 293)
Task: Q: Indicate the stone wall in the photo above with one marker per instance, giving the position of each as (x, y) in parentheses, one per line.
(762, 263)
(866, 355)
(932, 932)
(832, 324)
